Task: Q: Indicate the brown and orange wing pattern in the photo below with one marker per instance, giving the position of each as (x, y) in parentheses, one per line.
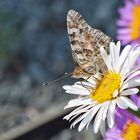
(85, 44)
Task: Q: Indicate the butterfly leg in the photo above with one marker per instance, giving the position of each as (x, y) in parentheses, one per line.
(85, 85)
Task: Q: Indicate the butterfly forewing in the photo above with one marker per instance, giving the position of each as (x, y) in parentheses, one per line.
(85, 44)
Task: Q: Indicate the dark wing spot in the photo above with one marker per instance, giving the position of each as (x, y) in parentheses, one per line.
(77, 52)
(74, 42)
(72, 35)
(81, 30)
(87, 52)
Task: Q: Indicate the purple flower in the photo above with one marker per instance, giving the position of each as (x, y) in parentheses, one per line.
(127, 126)
(129, 22)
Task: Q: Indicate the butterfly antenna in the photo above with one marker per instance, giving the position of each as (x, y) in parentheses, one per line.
(56, 80)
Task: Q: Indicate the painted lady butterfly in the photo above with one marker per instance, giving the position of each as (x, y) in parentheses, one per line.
(85, 44)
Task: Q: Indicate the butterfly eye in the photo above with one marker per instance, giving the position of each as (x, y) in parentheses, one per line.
(100, 71)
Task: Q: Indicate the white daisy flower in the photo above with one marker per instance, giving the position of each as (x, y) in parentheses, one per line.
(102, 93)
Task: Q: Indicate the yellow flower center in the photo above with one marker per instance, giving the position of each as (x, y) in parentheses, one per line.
(135, 24)
(131, 131)
(106, 87)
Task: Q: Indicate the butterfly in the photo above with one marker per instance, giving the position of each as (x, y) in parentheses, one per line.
(85, 45)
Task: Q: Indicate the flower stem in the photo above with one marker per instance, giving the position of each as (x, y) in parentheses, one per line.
(136, 113)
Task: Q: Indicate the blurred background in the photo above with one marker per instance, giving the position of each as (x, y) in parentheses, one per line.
(34, 48)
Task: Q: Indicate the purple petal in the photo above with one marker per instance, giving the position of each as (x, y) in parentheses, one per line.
(120, 120)
(123, 23)
(113, 134)
(124, 38)
(136, 100)
(137, 120)
(137, 1)
(129, 5)
(124, 31)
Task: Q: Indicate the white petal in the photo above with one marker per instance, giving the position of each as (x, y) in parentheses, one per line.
(78, 120)
(130, 104)
(105, 58)
(131, 83)
(84, 123)
(135, 69)
(75, 90)
(89, 117)
(74, 116)
(133, 75)
(118, 46)
(115, 94)
(102, 127)
(130, 59)
(98, 119)
(113, 55)
(79, 101)
(129, 63)
(90, 121)
(67, 87)
(121, 104)
(110, 115)
(130, 91)
(78, 110)
(77, 115)
(124, 55)
(105, 109)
